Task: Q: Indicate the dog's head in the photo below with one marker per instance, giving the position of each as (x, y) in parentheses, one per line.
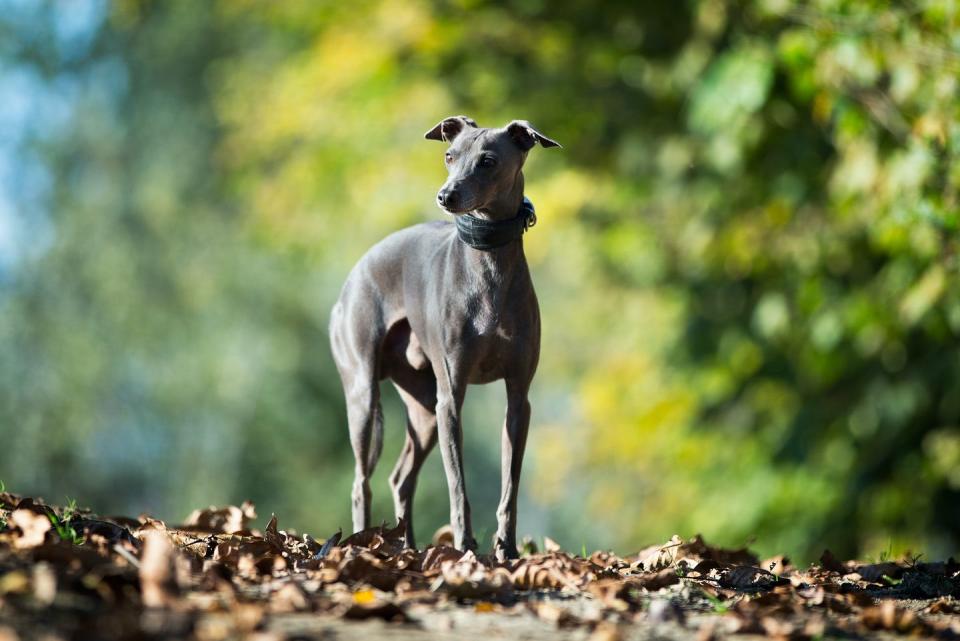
(482, 163)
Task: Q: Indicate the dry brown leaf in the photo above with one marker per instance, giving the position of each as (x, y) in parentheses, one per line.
(383, 540)
(533, 576)
(614, 594)
(33, 528)
(745, 577)
(388, 611)
(289, 598)
(227, 520)
(658, 557)
(436, 555)
(778, 628)
(44, 583)
(776, 565)
(555, 615)
(443, 537)
(707, 631)
(14, 582)
(8, 634)
(876, 572)
(652, 581)
(467, 578)
(606, 632)
(248, 616)
(888, 616)
(830, 563)
(363, 566)
(944, 605)
(661, 610)
(235, 582)
(157, 572)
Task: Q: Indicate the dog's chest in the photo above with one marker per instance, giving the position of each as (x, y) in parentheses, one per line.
(490, 315)
(496, 332)
(487, 318)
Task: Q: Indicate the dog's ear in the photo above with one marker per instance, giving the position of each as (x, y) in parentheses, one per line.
(449, 128)
(526, 136)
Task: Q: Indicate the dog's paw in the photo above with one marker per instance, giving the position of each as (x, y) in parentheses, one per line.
(469, 544)
(504, 551)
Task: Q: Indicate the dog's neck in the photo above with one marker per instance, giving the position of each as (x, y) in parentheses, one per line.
(498, 225)
(492, 270)
(489, 275)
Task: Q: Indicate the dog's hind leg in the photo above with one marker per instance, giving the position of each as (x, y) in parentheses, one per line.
(418, 389)
(356, 360)
(365, 418)
(406, 365)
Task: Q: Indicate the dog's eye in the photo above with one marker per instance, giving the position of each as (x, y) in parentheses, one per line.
(448, 158)
(488, 161)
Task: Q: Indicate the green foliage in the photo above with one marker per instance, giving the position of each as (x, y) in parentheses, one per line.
(69, 510)
(62, 523)
(746, 258)
(718, 605)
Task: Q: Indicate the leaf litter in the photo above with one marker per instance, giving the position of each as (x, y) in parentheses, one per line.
(217, 576)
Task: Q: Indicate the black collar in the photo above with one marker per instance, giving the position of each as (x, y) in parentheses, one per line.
(489, 234)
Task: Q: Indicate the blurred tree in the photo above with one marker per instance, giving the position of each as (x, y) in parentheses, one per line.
(149, 351)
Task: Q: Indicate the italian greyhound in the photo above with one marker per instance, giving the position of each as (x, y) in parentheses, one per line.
(438, 306)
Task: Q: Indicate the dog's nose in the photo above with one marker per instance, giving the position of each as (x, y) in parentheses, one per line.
(447, 198)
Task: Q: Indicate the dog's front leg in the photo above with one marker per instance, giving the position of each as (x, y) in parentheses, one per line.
(514, 440)
(449, 403)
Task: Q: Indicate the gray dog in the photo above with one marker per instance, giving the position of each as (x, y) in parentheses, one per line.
(436, 307)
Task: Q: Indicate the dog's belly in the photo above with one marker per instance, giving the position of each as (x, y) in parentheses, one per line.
(482, 375)
(494, 365)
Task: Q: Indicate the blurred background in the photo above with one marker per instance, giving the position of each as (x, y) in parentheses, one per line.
(746, 258)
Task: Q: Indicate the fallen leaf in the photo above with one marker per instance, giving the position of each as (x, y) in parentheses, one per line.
(944, 605)
(662, 610)
(44, 583)
(14, 582)
(555, 615)
(8, 634)
(328, 545)
(606, 632)
(876, 572)
(830, 563)
(443, 537)
(227, 520)
(889, 616)
(289, 598)
(33, 528)
(364, 597)
(745, 577)
(435, 556)
(157, 572)
(776, 565)
(388, 611)
(376, 538)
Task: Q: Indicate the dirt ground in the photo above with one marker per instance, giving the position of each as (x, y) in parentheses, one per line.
(68, 574)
